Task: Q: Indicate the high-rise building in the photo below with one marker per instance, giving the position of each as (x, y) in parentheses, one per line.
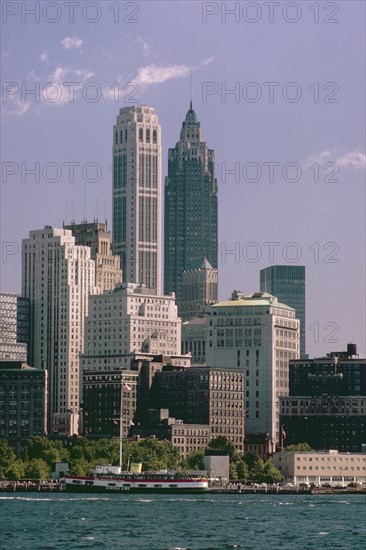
(57, 278)
(287, 282)
(14, 327)
(199, 289)
(327, 402)
(126, 321)
(137, 195)
(107, 266)
(258, 335)
(190, 231)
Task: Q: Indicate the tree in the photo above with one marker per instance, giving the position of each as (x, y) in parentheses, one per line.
(299, 448)
(233, 472)
(194, 461)
(16, 470)
(37, 468)
(79, 467)
(251, 459)
(153, 454)
(242, 470)
(265, 472)
(45, 449)
(7, 457)
(223, 444)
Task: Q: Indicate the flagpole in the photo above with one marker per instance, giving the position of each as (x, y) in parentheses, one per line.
(121, 424)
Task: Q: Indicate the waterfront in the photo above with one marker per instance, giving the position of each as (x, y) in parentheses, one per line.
(162, 522)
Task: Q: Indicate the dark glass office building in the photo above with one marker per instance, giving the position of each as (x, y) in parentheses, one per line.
(190, 206)
(287, 282)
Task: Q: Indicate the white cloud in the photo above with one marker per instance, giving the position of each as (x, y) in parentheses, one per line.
(321, 157)
(60, 73)
(65, 94)
(152, 74)
(43, 56)
(351, 159)
(16, 106)
(71, 42)
(145, 45)
(207, 61)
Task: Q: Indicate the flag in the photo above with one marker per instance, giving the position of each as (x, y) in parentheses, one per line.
(283, 434)
(127, 386)
(115, 420)
(132, 423)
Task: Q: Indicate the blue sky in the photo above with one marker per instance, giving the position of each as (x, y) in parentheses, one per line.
(310, 132)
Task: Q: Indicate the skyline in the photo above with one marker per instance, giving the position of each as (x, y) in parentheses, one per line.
(240, 132)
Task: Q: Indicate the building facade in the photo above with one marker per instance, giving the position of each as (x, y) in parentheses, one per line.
(199, 289)
(287, 282)
(23, 402)
(189, 437)
(190, 231)
(57, 278)
(126, 321)
(103, 405)
(137, 200)
(203, 396)
(257, 335)
(14, 327)
(322, 467)
(194, 339)
(108, 272)
(326, 406)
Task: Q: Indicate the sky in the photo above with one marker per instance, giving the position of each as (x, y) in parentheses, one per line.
(279, 90)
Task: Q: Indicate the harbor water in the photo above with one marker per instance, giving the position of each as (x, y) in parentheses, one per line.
(164, 522)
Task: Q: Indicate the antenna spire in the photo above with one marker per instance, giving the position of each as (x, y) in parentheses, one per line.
(190, 92)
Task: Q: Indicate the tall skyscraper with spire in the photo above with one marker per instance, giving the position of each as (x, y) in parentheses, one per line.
(190, 207)
(137, 195)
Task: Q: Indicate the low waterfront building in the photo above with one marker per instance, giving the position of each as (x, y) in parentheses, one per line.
(23, 402)
(217, 464)
(321, 467)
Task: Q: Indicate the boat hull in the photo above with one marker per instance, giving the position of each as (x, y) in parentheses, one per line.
(143, 485)
(134, 490)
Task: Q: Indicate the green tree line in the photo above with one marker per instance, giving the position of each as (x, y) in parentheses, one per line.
(40, 453)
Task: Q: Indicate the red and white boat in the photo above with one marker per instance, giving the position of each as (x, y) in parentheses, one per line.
(108, 478)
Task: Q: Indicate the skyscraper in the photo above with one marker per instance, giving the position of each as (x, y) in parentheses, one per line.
(287, 282)
(57, 278)
(107, 265)
(137, 195)
(190, 206)
(258, 335)
(199, 289)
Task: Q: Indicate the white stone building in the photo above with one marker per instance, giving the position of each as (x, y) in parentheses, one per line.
(137, 195)
(259, 335)
(126, 321)
(321, 467)
(57, 278)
